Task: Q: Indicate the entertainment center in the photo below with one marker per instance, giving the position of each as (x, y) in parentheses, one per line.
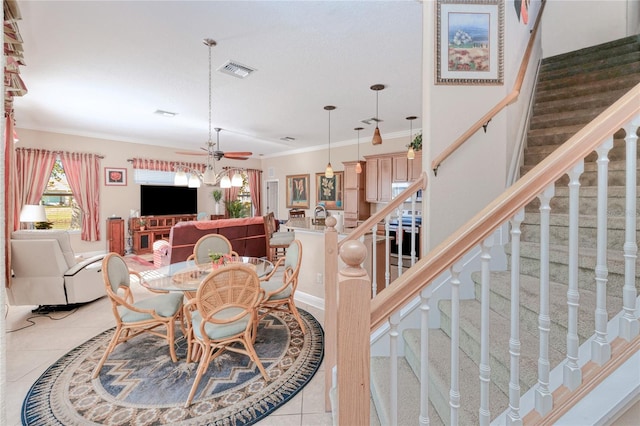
(155, 228)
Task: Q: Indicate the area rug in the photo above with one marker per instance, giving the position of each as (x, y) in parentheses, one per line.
(140, 385)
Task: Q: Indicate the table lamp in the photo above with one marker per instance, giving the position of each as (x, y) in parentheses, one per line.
(32, 213)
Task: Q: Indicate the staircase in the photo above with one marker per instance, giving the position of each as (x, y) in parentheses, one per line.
(572, 89)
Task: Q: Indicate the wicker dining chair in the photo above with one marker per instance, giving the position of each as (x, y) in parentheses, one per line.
(279, 295)
(222, 317)
(134, 318)
(210, 243)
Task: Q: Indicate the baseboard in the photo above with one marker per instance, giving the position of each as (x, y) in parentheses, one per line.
(310, 300)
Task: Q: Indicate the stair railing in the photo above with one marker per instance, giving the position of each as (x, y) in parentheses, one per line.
(506, 101)
(354, 326)
(367, 228)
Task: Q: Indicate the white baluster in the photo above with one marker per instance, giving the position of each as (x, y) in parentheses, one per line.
(413, 229)
(425, 296)
(485, 369)
(394, 320)
(374, 287)
(572, 374)
(454, 391)
(387, 265)
(628, 322)
(399, 238)
(544, 399)
(600, 347)
(513, 416)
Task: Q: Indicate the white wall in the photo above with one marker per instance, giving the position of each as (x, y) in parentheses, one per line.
(117, 200)
(476, 173)
(573, 25)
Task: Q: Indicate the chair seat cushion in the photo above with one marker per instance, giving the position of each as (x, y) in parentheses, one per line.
(221, 331)
(269, 286)
(280, 238)
(165, 305)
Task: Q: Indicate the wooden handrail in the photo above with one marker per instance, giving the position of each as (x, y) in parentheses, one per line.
(515, 198)
(420, 183)
(509, 99)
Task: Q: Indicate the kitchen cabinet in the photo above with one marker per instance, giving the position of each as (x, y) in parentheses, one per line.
(405, 170)
(356, 206)
(378, 178)
(115, 236)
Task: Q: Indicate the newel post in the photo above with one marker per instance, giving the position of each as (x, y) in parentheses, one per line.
(330, 306)
(354, 324)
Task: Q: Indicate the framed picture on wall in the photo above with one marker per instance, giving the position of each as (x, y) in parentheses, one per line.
(298, 191)
(114, 176)
(469, 42)
(329, 191)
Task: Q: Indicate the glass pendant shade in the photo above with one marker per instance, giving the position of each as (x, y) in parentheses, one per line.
(358, 168)
(328, 172)
(411, 154)
(377, 139)
(180, 178)
(194, 181)
(209, 177)
(225, 182)
(236, 181)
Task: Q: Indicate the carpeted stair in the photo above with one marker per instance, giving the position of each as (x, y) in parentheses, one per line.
(572, 89)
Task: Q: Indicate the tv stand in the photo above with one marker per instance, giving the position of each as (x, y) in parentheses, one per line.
(155, 228)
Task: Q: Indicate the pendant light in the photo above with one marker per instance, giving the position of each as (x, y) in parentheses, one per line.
(210, 176)
(328, 172)
(358, 165)
(180, 178)
(411, 154)
(377, 139)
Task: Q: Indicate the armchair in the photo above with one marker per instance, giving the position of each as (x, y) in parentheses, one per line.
(45, 271)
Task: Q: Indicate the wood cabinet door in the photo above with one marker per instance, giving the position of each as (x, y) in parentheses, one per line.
(372, 180)
(415, 167)
(350, 176)
(384, 179)
(400, 169)
(115, 236)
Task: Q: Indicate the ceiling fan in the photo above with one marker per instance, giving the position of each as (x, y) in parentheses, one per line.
(215, 152)
(210, 151)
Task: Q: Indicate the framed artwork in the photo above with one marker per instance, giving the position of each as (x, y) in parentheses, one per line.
(298, 191)
(114, 176)
(329, 190)
(469, 42)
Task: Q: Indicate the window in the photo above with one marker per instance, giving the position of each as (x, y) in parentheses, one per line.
(62, 210)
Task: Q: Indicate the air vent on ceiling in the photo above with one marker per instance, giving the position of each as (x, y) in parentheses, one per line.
(236, 69)
(368, 121)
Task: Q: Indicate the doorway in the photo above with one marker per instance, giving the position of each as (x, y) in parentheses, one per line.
(272, 197)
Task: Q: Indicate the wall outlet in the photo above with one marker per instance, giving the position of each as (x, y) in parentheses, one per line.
(319, 278)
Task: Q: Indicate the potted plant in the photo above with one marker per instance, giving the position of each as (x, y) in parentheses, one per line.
(218, 259)
(143, 224)
(217, 196)
(416, 143)
(236, 208)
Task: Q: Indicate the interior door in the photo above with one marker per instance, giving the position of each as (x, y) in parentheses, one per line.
(272, 197)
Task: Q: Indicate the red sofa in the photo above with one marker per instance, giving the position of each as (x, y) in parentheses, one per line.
(247, 236)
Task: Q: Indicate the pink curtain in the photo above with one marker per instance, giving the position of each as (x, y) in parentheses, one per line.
(83, 174)
(255, 185)
(33, 169)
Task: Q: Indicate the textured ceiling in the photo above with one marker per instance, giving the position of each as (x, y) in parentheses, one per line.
(101, 69)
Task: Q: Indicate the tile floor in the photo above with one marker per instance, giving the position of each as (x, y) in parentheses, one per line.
(34, 342)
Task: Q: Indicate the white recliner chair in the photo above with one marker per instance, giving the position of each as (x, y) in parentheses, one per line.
(45, 270)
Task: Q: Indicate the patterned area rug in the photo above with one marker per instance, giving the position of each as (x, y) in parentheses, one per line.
(139, 384)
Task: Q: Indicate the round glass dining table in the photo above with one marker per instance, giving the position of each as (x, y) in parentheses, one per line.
(187, 276)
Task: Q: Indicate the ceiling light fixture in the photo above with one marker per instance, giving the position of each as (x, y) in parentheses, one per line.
(377, 139)
(328, 172)
(411, 154)
(358, 165)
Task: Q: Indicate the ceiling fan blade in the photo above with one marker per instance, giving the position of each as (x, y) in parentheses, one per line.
(239, 155)
(191, 153)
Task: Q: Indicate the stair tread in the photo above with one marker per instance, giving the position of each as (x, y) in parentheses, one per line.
(499, 331)
(408, 392)
(440, 378)
(529, 301)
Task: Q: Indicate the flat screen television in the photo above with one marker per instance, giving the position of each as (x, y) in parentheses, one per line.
(157, 200)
